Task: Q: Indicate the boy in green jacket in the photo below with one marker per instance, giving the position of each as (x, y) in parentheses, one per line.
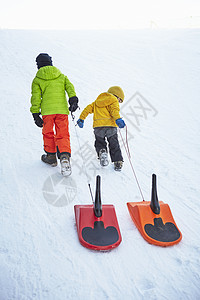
(49, 89)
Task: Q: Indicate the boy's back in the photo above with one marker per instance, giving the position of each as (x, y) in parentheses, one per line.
(105, 109)
(50, 85)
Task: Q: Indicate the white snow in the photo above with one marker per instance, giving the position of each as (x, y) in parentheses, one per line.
(40, 254)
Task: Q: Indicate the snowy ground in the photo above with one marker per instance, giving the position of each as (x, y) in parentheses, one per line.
(40, 254)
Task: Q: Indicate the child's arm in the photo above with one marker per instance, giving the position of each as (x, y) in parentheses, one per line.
(35, 98)
(88, 110)
(73, 100)
(114, 110)
(69, 88)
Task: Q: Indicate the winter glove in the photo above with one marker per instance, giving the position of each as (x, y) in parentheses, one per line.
(120, 123)
(80, 123)
(38, 121)
(73, 103)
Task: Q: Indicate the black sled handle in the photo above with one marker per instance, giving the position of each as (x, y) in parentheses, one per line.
(97, 203)
(155, 206)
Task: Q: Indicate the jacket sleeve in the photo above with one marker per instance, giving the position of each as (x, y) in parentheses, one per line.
(114, 110)
(69, 88)
(35, 98)
(88, 110)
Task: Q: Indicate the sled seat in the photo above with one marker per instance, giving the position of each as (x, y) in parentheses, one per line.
(97, 233)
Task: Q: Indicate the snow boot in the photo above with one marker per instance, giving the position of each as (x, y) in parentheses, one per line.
(118, 165)
(103, 157)
(65, 165)
(50, 159)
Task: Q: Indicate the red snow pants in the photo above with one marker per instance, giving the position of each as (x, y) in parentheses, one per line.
(56, 133)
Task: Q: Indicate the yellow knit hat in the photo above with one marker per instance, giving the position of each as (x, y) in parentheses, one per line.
(117, 91)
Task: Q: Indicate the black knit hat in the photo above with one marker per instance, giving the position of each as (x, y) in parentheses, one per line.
(43, 59)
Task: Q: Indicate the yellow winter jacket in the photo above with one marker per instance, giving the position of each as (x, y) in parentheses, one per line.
(105, 109)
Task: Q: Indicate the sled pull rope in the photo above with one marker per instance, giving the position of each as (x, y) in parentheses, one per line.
(126, 146)
(84, 166)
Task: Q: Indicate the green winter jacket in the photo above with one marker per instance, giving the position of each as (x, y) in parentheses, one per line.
(48, 92)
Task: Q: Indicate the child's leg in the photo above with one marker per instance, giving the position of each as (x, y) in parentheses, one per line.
(100, 140)
(114, 148)
(62, 134)
(100, 143)
(48, 134)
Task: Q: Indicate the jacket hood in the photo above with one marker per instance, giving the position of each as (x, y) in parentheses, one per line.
(48, 73)
(105, 99)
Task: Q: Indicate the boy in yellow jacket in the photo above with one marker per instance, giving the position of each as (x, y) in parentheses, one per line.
(106, 118)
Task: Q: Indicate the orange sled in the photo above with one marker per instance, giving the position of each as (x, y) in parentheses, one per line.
(154, 220)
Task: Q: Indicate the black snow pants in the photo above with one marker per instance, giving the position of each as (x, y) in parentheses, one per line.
(108, 135)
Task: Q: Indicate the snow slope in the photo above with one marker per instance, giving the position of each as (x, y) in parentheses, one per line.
(40, 255)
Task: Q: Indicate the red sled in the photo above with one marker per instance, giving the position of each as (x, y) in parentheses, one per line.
(97, 224)
(154, 220)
